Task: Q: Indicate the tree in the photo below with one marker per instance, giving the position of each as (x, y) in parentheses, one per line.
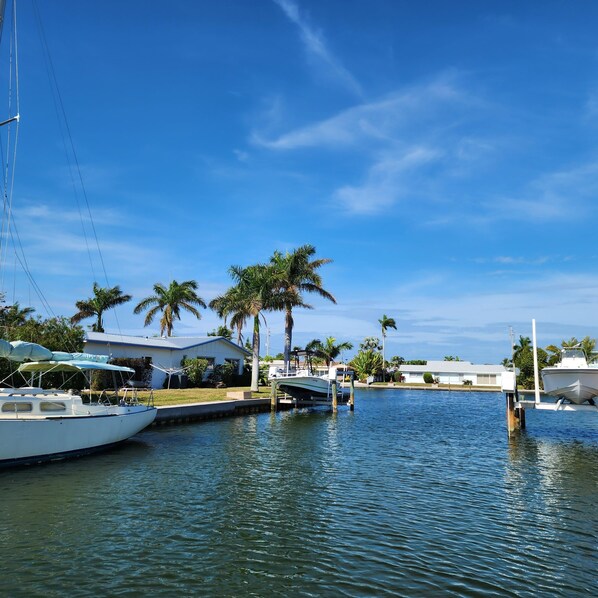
(104, 298)
(525, 343)
(329, 350)
(385, 324)
(234, 305)
(370, 343)
(452, 358)
(296, 273)
(170, 300)
(255, 291)
(367, 363)
(222, 331)
(12, 316)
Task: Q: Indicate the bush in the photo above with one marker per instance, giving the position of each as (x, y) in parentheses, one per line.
(428, 378)
(467, 382)
(196, 368)
(398, 377)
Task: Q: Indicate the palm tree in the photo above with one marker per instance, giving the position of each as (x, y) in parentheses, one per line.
(330, 349)
(297, 274)
(104, 298)
(234, 305)
(525, 344)
(170, 300)
(14, 315)
(255, 292)
(385, 324)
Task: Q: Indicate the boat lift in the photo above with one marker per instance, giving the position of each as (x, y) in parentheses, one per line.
(516, 406)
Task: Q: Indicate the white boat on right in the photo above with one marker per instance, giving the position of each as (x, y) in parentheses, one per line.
(573, 378)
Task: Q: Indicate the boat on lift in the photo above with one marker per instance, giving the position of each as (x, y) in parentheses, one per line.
(573, 378)
(303, 382)
(39, 425)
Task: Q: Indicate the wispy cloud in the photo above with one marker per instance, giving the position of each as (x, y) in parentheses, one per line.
(383, 184)
(316, 46)
(385, 120)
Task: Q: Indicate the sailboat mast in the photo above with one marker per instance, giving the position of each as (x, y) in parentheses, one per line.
(2, 7)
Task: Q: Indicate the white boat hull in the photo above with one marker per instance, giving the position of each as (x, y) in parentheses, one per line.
(37, 439)
(577, 385)
(305, 386)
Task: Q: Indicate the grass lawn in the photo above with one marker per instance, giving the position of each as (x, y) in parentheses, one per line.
(183, 396)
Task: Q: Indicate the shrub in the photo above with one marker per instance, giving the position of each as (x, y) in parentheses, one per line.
(195, 369)
(428, 378)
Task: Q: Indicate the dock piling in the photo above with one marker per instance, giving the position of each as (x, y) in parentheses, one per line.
(273, 396)
(334, 396)
(352, 394)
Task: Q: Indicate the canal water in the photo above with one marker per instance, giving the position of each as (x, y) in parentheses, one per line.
(414, 494)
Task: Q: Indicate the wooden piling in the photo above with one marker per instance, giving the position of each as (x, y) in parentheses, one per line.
(334, 396)
(352, 394)
(273, 396)
(513, 419)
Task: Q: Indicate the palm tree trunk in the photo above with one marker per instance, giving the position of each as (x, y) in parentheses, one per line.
(255, 363)
(288, 337)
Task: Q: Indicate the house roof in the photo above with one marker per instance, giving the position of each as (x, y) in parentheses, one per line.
(453, 367)
(170, 343)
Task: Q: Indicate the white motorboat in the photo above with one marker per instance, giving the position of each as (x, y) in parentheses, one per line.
(45, 425)
(302, 382)
(573, 378)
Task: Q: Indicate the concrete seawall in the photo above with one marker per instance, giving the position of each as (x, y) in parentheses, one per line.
(176, 414)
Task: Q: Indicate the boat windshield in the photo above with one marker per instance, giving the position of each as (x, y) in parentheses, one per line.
(573, 354)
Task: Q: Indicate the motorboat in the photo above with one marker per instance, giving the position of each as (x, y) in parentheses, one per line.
(573, 378)
(303, 382)
(39, 425)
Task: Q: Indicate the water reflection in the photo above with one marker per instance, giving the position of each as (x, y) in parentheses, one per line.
(412, 494)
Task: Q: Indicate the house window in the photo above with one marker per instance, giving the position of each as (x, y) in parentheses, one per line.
(234, 362)
(211, 362)
(487, 379)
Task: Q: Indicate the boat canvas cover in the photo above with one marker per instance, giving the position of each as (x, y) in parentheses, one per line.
(44, 360)
(74, 365)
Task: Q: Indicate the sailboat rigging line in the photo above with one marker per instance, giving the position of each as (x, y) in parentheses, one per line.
(59, 104)
(69, 148)
(9, 171)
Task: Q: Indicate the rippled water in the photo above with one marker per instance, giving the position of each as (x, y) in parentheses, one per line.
(413, 494)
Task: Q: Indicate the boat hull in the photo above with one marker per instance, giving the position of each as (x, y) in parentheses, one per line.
(575, 384)
(305, 386)
(34, 440)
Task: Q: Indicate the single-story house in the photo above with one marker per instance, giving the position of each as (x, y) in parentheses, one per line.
(455, 372)
(166, 353)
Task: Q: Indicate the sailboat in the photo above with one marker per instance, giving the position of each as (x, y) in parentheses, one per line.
(39, 425)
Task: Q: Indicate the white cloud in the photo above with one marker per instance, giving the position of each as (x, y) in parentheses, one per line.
(384, 183)
(316, 46)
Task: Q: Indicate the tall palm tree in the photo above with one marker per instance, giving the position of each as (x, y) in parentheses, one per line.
(170, 300)
(329, 350)
(104, 298)
(385, 324)
(255, 291)
(232, 304)
(297, 273)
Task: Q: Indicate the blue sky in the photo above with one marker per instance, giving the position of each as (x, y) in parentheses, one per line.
(444, 155)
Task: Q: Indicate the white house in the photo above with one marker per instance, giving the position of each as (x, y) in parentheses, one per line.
(455, 372)
(167, 353)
